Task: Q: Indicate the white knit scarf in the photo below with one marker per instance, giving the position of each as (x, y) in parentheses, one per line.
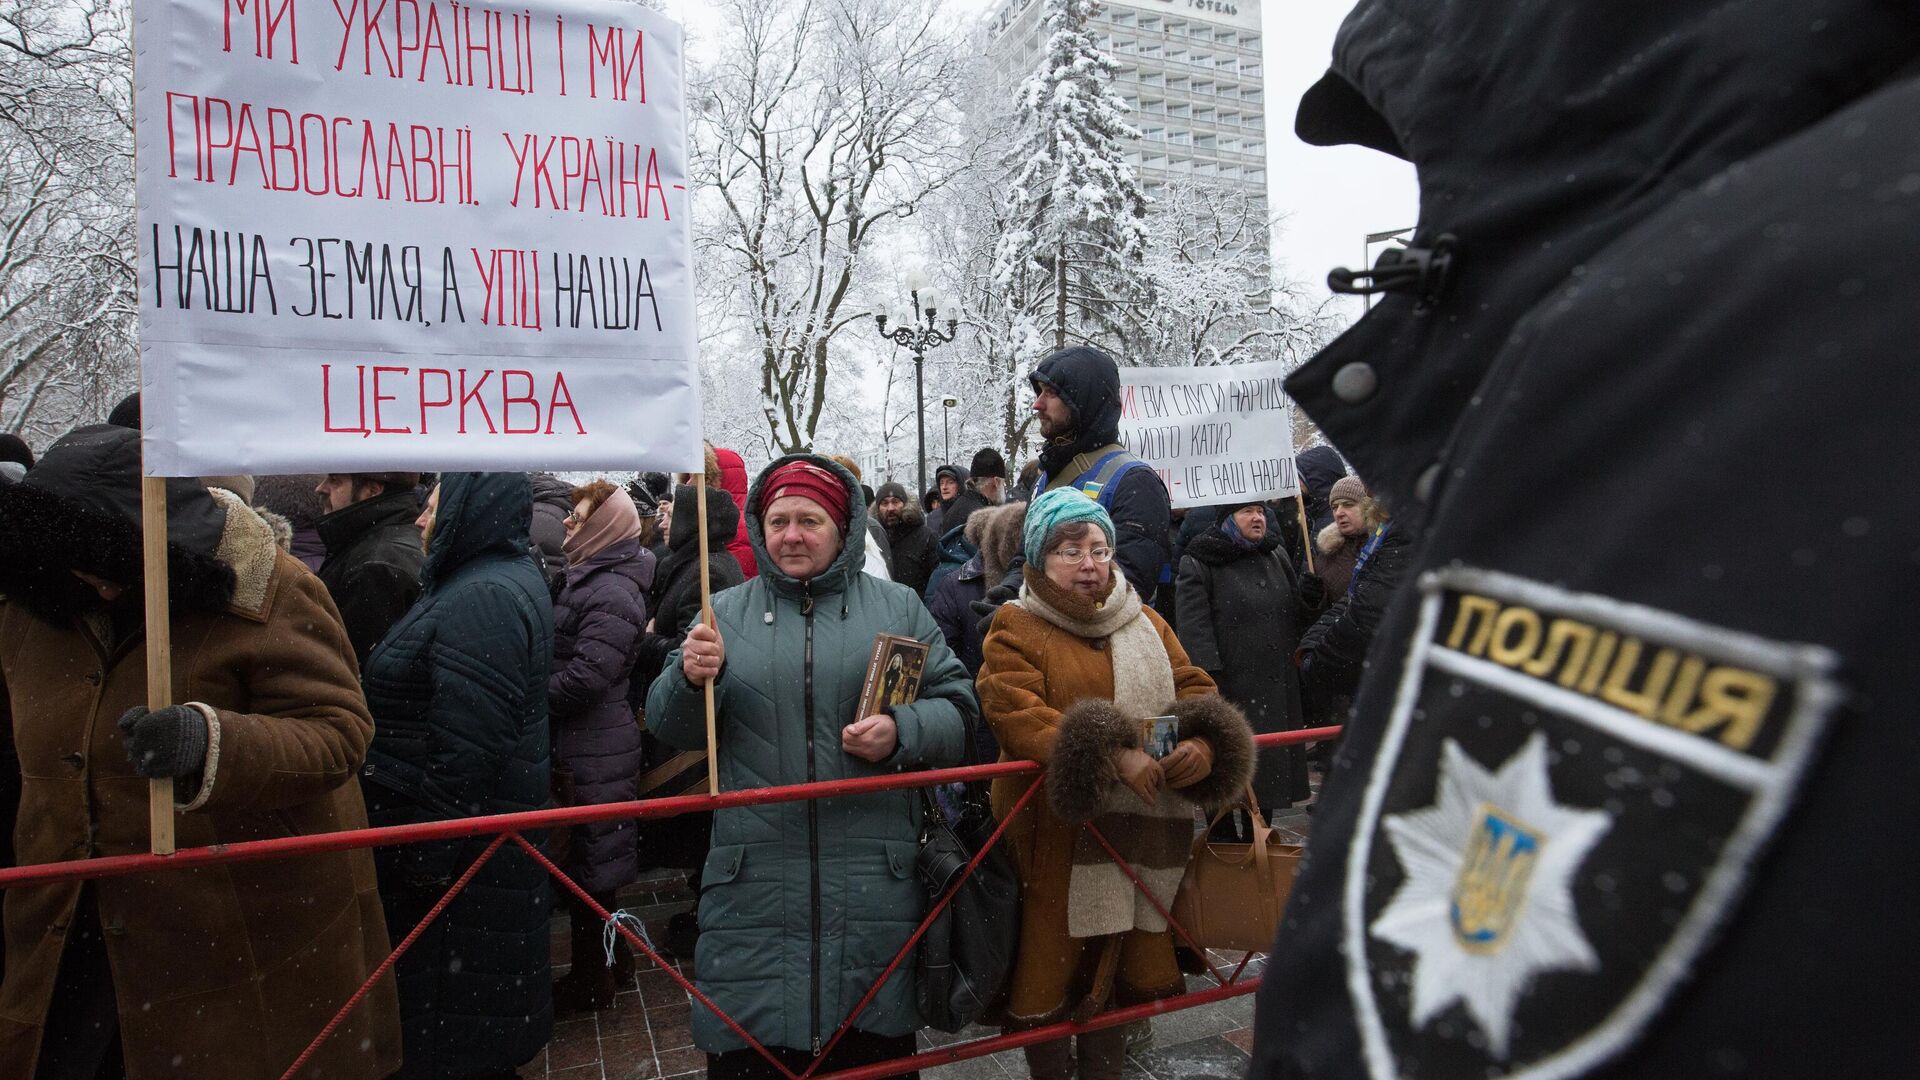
(1154, 840)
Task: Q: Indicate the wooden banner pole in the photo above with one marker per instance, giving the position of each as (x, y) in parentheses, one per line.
(153, 528)
(1306, 531)
(706, 615)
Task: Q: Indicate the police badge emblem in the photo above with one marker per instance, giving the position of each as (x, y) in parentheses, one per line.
(1566, 801)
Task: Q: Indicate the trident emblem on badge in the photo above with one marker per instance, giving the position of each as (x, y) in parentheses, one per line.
(1491, 889)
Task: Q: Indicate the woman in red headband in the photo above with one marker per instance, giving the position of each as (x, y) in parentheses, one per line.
(802, 904)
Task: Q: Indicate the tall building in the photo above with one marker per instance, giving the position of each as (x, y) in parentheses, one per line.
(1190, 69)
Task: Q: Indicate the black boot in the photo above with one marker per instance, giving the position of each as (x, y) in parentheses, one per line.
(589, 986)
(1050, 1060)
(1103, 1053)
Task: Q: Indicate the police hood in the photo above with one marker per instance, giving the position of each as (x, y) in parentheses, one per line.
(1540, 132)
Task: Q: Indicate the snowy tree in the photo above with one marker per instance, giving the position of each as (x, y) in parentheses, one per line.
(1074, 234)
(1213, 296)
(67, 293)
(823, 121)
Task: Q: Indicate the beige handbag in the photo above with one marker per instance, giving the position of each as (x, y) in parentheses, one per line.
(1232, 894)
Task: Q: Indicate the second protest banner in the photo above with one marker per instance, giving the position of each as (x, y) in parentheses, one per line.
(1214, 434)
(419, 234)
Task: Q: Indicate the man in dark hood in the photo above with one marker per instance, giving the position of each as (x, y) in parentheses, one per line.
(913, 551)
(552, 502)
(1610, 805)
(1077, 399)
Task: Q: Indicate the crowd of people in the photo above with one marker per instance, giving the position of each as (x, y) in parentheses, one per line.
(392, 648)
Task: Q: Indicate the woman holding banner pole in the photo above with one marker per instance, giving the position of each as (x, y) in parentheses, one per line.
(803, 904)
(225, 972)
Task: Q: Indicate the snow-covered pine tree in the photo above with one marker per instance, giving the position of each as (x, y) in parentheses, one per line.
(1074, 209)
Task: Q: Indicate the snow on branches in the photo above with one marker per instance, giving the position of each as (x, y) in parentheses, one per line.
(1074, 210)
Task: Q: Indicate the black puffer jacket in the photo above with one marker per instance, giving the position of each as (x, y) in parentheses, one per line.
(1240, 621)
(458, 692)
(914, 549)
(1089, 382)
(597, 621)
(373, 565)
(1335, 646)
(1682, 270)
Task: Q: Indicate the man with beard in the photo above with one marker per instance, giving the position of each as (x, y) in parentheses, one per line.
(1077, 400)
(914, 551)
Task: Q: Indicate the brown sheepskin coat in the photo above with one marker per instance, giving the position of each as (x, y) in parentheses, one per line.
(1033, 675)
(223, 971)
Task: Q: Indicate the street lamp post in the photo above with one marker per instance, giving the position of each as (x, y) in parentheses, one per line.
(920, 331)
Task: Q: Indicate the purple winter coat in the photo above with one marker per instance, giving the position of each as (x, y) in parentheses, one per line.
(597, 623)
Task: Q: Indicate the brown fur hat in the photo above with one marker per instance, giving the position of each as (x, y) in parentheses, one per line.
(1082, 770)
(995, 531)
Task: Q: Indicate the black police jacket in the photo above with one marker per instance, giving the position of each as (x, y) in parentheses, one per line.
(1631, 782)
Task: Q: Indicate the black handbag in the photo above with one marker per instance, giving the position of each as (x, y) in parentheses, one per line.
(963, 961)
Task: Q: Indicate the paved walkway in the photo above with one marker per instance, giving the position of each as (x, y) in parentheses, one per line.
(646, 1034)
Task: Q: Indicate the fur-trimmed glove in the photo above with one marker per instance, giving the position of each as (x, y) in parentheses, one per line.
(169, 742)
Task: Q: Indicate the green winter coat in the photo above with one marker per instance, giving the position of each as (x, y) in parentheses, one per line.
(803, 904)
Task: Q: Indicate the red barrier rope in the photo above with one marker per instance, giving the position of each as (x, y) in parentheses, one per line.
(394, 957)
(506, 827)
(534, 820)
(907, 949)
(673, 973)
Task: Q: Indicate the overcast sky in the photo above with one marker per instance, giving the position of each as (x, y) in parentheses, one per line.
(1332, 197)
(1329, 197)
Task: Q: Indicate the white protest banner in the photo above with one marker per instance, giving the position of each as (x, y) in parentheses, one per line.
(420, 234)
(1214, 434)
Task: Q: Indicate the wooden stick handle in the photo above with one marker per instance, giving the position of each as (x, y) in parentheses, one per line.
(706, 615)
(153, 528)
(1306, 532)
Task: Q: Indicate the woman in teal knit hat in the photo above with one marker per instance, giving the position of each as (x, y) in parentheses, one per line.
(1071, 673)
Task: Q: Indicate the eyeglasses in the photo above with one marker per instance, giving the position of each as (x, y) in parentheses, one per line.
(1073, 554)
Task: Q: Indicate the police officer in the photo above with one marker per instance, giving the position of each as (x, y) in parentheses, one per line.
(1631, 780)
